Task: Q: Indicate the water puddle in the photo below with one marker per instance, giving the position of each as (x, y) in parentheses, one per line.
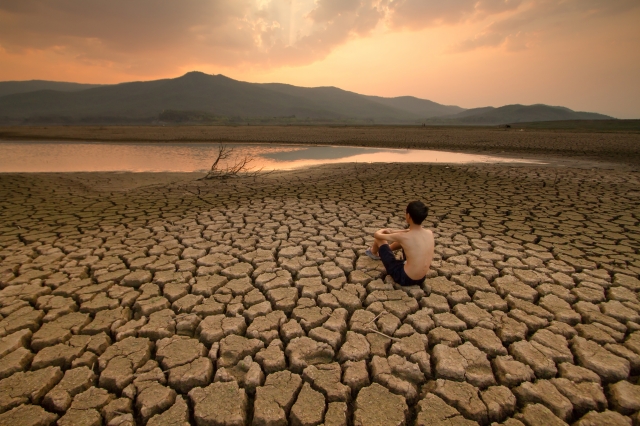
(195, 157)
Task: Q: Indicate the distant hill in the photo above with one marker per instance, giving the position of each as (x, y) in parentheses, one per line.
(511, 114)
(12, 87)
(344, 104)
(347, 103)
(417, 106)
(199, 97)
(209, 99)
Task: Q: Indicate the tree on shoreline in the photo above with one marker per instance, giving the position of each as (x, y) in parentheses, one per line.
(227, 165)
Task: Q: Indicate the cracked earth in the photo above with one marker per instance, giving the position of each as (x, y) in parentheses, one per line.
(252, 302)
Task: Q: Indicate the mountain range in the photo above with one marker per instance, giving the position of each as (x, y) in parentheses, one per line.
(209, 99)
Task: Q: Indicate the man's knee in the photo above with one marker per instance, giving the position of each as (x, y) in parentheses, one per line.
(380, 242)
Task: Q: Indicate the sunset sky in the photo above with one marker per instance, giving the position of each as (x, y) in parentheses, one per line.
(583, 54)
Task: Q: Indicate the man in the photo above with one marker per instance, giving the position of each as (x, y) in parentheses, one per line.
(416, 242)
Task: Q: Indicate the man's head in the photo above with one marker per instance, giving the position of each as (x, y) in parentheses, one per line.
(417, 211)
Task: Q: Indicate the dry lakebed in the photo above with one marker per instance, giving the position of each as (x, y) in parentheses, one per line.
(162, 299)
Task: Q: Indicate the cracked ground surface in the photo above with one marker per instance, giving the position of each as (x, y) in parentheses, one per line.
(252, 302)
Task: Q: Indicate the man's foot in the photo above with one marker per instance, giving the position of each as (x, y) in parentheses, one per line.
(371, 255)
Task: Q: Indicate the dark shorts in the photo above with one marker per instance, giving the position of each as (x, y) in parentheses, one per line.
(395, 267)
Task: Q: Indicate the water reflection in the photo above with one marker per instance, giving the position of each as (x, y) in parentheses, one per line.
(189, 157)
(322, 153)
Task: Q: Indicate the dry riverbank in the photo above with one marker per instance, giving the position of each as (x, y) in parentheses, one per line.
(618, 146)
(160, 298)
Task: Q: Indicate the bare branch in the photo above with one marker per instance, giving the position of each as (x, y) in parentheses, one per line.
(223, 154)
(226, 165)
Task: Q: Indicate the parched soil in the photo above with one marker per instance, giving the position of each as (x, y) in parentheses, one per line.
(125, 300)
(619, 146)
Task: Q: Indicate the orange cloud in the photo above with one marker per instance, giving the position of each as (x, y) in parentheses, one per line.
(148, 33)
(138, 36)
(516, 29)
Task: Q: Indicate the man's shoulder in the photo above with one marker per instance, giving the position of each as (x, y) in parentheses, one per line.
(419, 234)
(427, 234)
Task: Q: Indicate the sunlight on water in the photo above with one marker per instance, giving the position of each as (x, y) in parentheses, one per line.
(189, 157)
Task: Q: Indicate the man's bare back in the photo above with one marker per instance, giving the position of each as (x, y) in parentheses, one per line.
(416, 242)
(417, 245)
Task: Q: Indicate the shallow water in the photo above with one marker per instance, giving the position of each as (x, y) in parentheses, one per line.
(193, 157)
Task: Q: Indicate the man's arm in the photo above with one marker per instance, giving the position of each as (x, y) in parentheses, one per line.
(397, 231)
(387, 231)
(395, 246)
(392, 235)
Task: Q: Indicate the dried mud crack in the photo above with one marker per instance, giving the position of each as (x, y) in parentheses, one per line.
(252, 302)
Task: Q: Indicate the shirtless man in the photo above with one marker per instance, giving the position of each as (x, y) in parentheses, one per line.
(416, 242)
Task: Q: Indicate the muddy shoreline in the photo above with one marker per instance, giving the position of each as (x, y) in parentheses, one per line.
(621, 147)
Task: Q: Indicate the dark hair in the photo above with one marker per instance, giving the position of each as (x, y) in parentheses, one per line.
(418, 211)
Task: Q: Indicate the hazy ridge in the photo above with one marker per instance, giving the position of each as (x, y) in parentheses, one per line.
(198, 98)
(12, 87)
(510, 114)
